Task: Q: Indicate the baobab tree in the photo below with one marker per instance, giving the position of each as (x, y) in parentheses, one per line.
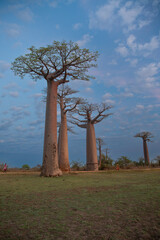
(92, 114)
(57, 63)
(67, 104)
(146, 137)
(100, 142)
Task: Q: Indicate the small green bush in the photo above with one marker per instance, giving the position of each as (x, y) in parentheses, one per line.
(25, 167)
(77, 166)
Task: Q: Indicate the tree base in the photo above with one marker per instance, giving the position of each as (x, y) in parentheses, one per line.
(92, 166)
(56, 173)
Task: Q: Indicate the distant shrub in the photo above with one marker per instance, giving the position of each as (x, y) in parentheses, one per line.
(37, 168)
(77, 166)
(156, 160)
(106, 163)
(1, 166)
(25, 167)
(124, 162)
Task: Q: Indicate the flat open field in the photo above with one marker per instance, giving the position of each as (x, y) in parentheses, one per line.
(111, 205)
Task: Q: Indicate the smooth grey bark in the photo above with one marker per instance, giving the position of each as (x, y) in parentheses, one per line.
(63, 141)
(92, 161)
(146, 153)
(50, 152)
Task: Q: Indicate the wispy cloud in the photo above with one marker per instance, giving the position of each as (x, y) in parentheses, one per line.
(14, 94)
(4, 66)
(122, 50)
(25, 14)
(129, 15)
(85, 39)
(77, 26)
(11, 85)
(12, 30)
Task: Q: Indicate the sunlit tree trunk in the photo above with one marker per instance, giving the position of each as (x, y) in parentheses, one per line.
(92, 162)
(146, 154)
(63, 141)
(50, 152)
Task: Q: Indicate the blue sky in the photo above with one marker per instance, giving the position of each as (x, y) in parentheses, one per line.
(127, 36)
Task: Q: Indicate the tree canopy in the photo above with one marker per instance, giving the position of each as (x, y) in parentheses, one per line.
(145, 135)
(59, 62)
(93, 113)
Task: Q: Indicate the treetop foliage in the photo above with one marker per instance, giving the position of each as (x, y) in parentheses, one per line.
(93, 113)
(145, 136)
(59, 62)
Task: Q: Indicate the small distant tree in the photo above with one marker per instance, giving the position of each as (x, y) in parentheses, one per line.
(100, 142)
(141, 161)
(157, 160)
(123, 162)
(91, 114)
(146, 137)
(1, 166)
(106, 163)
(25, 167)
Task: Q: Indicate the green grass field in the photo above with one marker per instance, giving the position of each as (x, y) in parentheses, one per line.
(109, 205)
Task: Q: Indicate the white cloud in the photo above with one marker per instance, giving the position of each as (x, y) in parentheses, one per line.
(122, 50)
(127, 94)
(25, 15)
(143, 23)
(139, 106)
(16, 109)
(129, 14)
(85, 39)
(13, 30)
(149, 72)
(107, 95)
(131, 42)
(57, 26)
(105, 16)
(14, 94)
(1, 75)
(4, 66)
(88, 90)
(133, 62)
(38, 95)
(77, 26)
(2, 141)
(54, 4)
(150, 46)
(10, 86)
(109, 101)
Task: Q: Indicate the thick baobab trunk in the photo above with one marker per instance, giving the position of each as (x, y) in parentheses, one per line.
(63, 141)
(50, 153)
(146, 154)
(92, 162)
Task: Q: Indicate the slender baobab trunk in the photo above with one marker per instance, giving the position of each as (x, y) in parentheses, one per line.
(63, 141)
(100, 155)
(146, 154)
(50, 153)
(92, 162)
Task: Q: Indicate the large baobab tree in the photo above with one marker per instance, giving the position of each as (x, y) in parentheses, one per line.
(100, 142)
(57, 64)
(91, 114)
(146, 137)
(67, 104)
